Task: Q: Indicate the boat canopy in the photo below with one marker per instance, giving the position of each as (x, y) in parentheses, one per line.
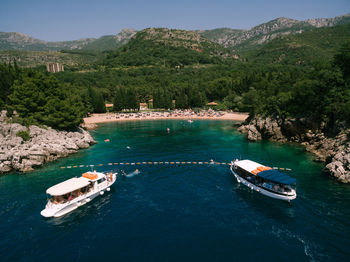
(248, 165)
(278, 177)
(68, 186)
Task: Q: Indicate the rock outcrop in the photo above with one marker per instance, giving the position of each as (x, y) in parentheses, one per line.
(43, 145)
(335, 151)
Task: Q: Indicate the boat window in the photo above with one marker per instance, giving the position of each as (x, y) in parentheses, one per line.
(57, 200)
(243, 173)
(101, 180)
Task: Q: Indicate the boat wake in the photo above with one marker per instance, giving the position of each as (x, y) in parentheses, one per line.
(310, 249)
(132, 174)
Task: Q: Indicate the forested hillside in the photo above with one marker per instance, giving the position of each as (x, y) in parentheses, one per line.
(170, 48)
(305, 74)
(313, 46)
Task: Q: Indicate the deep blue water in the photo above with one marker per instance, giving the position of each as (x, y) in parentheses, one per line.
(178, 213)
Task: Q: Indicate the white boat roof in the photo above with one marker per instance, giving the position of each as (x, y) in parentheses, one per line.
(68, 186)
(248, 165)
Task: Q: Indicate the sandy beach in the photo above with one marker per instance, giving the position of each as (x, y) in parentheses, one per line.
(91, 121)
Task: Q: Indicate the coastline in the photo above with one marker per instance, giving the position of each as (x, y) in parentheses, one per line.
(333, 151)
(91, 121)
(25, 148)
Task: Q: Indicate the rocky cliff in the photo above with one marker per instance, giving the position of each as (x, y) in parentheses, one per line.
(247, 39)
(42, 145)
(334, 151)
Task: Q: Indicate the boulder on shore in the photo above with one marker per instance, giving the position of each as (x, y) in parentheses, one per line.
(43, 145)
(335, 151)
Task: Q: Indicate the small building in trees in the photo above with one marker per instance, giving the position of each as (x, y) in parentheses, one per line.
(143, 106)
(212, 105)
(54, 67)
(109, 107)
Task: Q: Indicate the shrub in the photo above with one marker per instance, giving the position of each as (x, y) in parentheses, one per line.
(24, 135)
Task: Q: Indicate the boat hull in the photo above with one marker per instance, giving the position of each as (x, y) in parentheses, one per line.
(52, 210)
(262, 190)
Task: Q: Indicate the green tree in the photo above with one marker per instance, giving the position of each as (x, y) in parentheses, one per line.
(181, 101)
(41, 99)
(342, 60)
(97, 101)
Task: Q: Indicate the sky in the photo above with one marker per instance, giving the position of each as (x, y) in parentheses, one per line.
(63, 20)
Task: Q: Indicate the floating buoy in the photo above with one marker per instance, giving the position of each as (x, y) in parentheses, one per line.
(102, 192)
(108, 189)
(128, 147)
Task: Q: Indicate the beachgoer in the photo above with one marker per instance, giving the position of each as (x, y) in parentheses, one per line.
(55, 200)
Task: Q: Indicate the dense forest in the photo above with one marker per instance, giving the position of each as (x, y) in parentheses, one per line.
(190, 74)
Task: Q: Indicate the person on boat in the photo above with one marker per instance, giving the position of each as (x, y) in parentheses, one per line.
(58, 200)
(55, 200)
(90, 186)
(276, 187)
(71, 197)
(109, 177)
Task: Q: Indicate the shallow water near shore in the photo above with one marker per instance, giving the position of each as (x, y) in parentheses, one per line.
(177, 212)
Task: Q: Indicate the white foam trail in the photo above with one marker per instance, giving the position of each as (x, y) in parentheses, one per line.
(132, 174)
(309, 247)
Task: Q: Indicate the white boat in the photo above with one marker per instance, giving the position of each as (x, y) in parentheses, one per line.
(75, 192)
(264, 179)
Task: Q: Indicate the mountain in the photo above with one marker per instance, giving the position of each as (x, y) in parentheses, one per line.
(242, 40)
(205, 45)
(173, 47)
(19, 41)
(22, 42)
(110, 42)
(316, 45)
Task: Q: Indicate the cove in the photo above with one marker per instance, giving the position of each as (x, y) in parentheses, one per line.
(177, 213)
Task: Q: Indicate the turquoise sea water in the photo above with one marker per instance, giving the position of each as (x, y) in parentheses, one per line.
(177, 213)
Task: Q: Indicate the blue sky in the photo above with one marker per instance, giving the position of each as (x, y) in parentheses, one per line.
(74, 19)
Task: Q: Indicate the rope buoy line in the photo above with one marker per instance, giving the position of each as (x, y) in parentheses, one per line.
(164, 163)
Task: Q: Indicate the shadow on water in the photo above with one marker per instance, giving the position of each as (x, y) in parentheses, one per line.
(276, 209)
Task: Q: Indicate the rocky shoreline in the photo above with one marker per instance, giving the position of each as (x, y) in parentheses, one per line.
(334, 151)
(23, 149)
